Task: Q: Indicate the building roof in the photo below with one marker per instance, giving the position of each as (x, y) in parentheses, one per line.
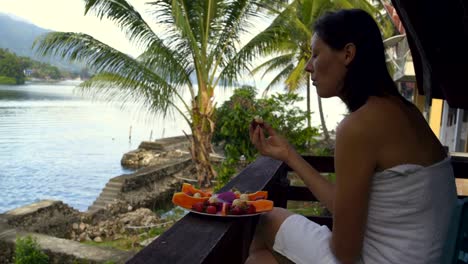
(437, 33)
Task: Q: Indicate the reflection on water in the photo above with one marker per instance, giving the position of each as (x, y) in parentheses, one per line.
(55, 144)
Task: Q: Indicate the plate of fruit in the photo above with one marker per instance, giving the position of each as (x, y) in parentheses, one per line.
(225, 204)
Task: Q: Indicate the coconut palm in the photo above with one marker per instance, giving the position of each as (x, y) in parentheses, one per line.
(192, 51)
(289, 49)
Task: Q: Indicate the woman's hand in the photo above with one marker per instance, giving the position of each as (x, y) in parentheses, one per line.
(274, 146)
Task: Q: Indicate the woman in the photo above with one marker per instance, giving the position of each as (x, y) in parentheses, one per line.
(394, 190)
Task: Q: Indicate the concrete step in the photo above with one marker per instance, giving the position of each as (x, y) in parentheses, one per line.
(114, 184)
(108, 195)
(101, 202)
(112, 189)
(93, 208)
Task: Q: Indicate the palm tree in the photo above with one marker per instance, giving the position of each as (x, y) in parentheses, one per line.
(194, 51)
(289, 49)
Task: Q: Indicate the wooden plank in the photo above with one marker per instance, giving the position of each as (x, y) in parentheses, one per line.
(206, 239)
(326, 164)
(460, 166)
(321, 163)
(298, 193)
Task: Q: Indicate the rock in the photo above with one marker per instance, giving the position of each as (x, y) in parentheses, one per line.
(82, 237)
(97, 239)
(82, 226)
(75, 226)
(148, 241)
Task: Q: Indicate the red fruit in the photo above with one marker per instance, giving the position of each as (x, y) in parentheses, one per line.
(236, 210)
(251, 209)
(199, 207)
(211, 209)
(219, 206)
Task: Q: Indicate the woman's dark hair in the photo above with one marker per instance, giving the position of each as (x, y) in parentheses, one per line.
(367, 74)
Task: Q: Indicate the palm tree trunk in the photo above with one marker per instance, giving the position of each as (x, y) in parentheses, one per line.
(202, 133)
(322, 120)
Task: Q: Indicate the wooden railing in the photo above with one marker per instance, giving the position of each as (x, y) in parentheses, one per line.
(206, 239)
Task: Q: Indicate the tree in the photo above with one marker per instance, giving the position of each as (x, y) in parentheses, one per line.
(234, 116)
(11, 68)
(289, 49)
(194, 51)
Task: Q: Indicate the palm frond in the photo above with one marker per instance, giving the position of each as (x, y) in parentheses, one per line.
(296, 76)
(274, 64)
(114, 87)
(125, 70)
(177, 68)
(262, 44)
(279, 78)
(126, 17)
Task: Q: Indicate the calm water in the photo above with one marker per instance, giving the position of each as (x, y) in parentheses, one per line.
(55, 144)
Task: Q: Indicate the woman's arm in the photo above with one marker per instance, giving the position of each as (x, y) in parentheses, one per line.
(355, 163)
(277, 147)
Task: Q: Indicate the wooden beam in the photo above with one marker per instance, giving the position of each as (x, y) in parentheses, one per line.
(208, 239)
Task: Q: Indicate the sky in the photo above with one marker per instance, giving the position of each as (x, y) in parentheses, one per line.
(68, 16)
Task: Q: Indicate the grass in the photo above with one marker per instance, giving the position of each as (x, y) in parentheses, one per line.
(130, 242)
(312, 208)
(7, 80)
(306, 208)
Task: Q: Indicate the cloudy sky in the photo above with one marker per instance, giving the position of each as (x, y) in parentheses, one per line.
(68, 15)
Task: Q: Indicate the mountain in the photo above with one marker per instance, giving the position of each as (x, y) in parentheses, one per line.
(18, 36)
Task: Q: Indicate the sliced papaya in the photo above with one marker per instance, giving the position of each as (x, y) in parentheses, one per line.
(253, 196)
(186, 201)
(262, 205)
(258, 195)
(189, 189)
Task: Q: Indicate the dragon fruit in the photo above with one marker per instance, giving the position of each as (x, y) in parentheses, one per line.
(227, 197)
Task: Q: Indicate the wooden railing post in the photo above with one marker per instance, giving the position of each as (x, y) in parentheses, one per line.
(278, 187)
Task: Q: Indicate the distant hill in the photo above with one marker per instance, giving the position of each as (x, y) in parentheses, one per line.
(18, 37)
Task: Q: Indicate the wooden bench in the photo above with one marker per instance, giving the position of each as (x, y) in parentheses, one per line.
(206, 239)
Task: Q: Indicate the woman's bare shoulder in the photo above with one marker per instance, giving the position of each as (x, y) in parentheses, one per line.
(365, 118)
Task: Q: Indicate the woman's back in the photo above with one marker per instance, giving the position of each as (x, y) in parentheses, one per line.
(413, 188)
(410, 207)
(400, 133)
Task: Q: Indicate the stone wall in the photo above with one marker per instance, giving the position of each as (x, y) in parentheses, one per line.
(60, 251)
(48, 217)
(153, 188)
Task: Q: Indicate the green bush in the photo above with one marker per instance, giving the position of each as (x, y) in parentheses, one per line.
(233, 118)
(28, 252)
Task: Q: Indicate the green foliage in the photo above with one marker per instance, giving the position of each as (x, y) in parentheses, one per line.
(233, 119)
(28, 252)
(12, 69)
(7, 80)
(42, 70)
(11, 66)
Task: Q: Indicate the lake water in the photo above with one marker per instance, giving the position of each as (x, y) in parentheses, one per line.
(55, 144)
